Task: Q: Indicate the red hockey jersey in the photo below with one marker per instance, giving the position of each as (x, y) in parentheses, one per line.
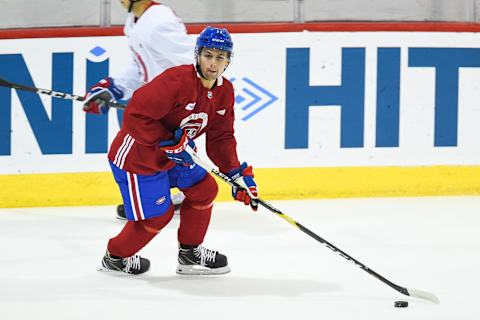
(176, 98)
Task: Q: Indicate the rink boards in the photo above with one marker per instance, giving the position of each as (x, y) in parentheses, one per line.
(319, 114)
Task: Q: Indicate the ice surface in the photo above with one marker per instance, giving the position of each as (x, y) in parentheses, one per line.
(49, 257)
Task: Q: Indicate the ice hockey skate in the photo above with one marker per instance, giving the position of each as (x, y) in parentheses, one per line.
(177, 200)
(131, 265)
(201, 261)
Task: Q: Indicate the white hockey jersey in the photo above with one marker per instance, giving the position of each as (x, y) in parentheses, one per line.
(157, 41)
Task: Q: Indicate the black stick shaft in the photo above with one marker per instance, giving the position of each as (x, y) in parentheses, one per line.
(56, 94)
(329, 245)
(337, 250)
(301, 227)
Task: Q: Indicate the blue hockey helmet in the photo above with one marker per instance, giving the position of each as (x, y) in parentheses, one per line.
(215, 38)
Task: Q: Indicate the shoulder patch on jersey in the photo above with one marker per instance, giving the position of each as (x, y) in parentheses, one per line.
(221, 112)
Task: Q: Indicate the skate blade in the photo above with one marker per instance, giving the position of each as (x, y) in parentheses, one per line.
(103, 269)
(120, 273)
(199, 270)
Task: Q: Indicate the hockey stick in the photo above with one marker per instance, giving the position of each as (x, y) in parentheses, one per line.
(406, 291)
(68, 96)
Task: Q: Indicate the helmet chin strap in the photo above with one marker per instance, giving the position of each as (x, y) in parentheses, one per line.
(197, 63)
(199, 70)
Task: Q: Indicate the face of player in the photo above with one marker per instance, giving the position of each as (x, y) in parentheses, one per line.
(212, 63)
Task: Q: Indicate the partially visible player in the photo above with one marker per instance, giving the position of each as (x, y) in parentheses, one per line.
(149, 156)
(157, 40)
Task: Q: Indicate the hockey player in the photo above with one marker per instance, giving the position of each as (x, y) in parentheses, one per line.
(157, 40)
(150, 155)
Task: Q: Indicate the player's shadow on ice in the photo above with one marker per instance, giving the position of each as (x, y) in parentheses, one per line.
(225, 286)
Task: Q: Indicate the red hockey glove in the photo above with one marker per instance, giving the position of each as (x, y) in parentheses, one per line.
(175, 148)
(99, 94)
(248, 193)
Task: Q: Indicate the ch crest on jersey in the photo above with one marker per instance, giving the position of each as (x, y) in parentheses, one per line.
(194, 123)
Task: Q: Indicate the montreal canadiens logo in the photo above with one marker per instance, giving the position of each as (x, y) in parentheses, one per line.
(191, 129)
(160, 201)
(194, 123)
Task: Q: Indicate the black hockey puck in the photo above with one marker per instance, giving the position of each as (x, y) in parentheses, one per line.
(401, 304)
